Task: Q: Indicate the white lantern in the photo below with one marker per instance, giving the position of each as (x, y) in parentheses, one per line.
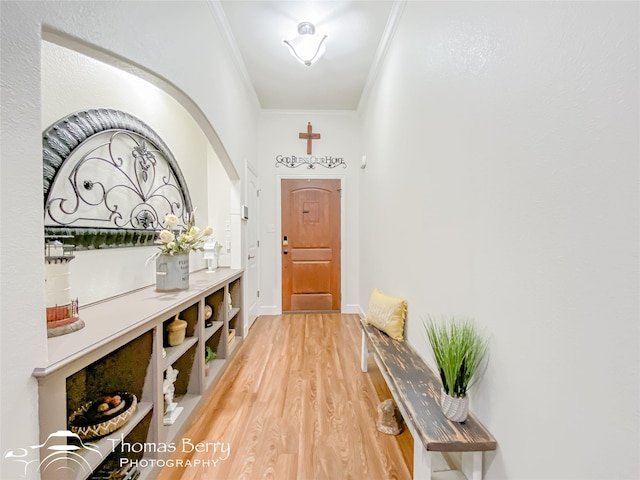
(62, 312)
(211, 252)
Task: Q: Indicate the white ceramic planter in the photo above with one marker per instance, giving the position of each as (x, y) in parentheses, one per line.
(455, 409)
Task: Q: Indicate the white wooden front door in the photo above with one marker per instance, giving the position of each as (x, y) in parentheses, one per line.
(253, 248)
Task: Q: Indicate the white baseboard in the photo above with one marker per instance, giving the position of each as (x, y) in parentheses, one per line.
(351, 308)
(270, 310)
(275, 310)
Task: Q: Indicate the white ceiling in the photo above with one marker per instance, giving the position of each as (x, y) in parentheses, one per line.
(356, 32)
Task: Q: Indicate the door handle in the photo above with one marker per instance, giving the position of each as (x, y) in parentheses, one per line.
(285, 252)
(251, 256)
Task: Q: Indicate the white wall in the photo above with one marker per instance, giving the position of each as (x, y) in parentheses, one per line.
(278, 135)
(220, 194)
(176, 45)
(72, 82)
(502, 140)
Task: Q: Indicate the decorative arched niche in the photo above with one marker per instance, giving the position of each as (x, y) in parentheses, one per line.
(109, 180)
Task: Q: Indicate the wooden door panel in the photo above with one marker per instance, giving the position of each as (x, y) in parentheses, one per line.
(302, 254)
(311, 301)
(311, 218)
(311, 253)
(311, 277)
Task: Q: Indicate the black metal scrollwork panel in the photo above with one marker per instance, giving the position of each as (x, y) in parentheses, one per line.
(109, 180)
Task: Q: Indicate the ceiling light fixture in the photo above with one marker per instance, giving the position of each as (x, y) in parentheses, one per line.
(307, 47)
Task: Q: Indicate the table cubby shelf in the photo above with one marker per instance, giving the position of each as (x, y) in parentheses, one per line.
(104, 446)
(174, 353)
(215, 370)
(120, 349)
(188, 402)
(209, 331)
(234, 345)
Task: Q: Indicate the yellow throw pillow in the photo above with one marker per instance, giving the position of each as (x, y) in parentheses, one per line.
(387, 314)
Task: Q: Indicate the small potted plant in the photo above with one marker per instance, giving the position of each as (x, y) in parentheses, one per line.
(209, 355)
(459, 350)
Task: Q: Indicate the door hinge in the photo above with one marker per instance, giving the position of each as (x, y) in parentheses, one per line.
(257, 192)
(258, 294)
(258, 243)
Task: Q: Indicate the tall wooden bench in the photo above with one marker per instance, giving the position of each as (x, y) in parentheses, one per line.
(416, 390)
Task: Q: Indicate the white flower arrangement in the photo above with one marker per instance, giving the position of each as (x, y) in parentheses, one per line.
(191, 238)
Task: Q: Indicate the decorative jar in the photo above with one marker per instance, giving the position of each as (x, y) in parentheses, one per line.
(176, 332)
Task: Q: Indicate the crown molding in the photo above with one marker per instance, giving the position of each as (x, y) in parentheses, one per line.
(266, 112)
(215, 7)
(387, 36)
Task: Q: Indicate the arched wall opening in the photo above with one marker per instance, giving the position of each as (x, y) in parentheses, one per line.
(75, 77)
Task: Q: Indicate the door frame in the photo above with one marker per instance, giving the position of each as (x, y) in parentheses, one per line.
(278, 244)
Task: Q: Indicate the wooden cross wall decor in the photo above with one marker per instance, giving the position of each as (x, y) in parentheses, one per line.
(309, 136)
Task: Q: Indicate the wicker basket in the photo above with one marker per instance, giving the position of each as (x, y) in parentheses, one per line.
(109, 425)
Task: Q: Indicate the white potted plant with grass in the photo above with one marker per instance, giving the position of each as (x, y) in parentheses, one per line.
(459, 349)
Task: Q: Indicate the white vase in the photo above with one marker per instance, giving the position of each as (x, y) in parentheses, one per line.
(455, 409)
(172, 272)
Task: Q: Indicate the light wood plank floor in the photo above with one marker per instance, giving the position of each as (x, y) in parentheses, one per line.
(294, 405)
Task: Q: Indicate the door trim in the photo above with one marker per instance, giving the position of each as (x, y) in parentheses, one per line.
(343, 233)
